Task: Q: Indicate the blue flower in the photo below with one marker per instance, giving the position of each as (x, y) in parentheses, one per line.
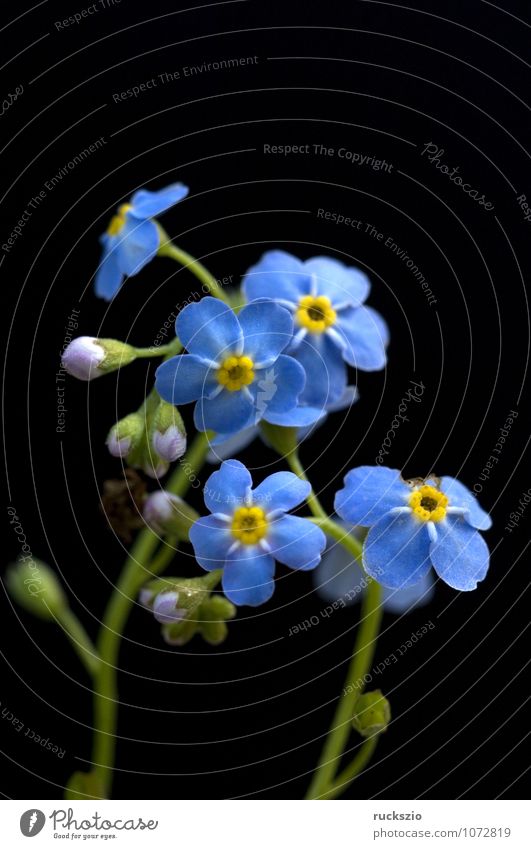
(331, 327)
(250, 529)
(234, 369)
(340, 580)
(415, 525)
(132, 238)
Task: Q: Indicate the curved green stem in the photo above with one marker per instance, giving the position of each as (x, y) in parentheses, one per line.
(345, 778)
(80, 640)
(362, 657)
(168, 249)
(137, 569)
(168, 350)
(334, 530)
(312, 501)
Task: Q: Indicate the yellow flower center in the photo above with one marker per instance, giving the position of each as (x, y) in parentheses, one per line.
(249, 525)
(428, 504)
(315, 313)
(117, 221)
(236, 372)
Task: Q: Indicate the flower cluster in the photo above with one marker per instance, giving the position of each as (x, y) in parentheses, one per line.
(275, 356)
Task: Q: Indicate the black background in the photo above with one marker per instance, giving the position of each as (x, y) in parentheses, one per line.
(248, 719)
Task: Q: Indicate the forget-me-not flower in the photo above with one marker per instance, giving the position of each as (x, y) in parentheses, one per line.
(415, 525)
(235, 368)
(250, 528)
(132, 238)
(339, 579)
(332, 328)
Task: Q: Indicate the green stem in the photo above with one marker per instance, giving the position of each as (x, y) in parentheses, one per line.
(360, 664)
(312, 501)
(134, 575)
(168, 249)
(350, 772)
(81, 642)
(168, 350)
(337, 532)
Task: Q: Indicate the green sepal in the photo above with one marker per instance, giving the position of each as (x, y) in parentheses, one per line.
(372, 714)
(33, 585)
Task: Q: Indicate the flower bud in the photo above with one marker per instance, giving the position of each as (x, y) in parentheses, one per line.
(184, 607)
(82, 358)
(35, 587)
(168, 436)
(166, 513)
(87, 357)
(166, 608)
(372, 714)
(125, 436)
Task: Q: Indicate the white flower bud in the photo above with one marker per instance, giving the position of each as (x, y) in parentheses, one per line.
(87, 357)
(167, 513)
(82, 357)
(169, 445)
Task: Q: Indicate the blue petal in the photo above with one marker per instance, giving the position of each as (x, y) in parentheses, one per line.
(226, 489)
(297, 417)
(326, 373)
(296, 542)
(278, 275)
(138, 243)
(184, 379)
(248, 576)
(276, 389)
(396, 551)
(211, 539)
(281, 491)
(338, 282)
(408, 598)
(267, 329)
(362, 330)
(228, 413)
(209, 329)
(108, 276)
(147, 204)
(339, 578)
(223, 446)
(369, 493)
(348, 398)
(460, 496)
(460, 556)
